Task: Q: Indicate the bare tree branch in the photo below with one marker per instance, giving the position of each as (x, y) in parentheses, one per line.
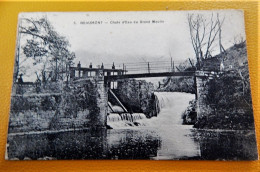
(203, 35)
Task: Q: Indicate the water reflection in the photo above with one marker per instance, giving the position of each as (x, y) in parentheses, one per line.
(65, 145)
(116, 144)
(227, 145)
(132, 144)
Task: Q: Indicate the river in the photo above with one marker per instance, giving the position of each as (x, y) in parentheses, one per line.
(161, 138)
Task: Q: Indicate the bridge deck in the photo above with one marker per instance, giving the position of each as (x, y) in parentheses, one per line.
(148, 75)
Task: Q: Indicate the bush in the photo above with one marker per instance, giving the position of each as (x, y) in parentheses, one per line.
(230, 104)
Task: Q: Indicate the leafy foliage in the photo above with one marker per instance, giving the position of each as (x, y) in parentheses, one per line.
(47, 48)
(231, 106)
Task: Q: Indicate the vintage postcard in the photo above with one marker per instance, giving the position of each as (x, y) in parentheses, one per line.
(159, 85)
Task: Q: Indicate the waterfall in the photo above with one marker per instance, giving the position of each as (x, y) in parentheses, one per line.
(132, 117)
(127, 117)
(138, 116)
(116, 120)
(113, 117)
(169, 106)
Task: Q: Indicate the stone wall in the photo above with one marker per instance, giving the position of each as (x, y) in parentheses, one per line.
(88, 96)
(79, 104)
(93, 90)
(27, 88)
(202, 91)
(40, 112)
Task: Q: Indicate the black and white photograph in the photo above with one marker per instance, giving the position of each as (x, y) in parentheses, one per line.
(140, 85)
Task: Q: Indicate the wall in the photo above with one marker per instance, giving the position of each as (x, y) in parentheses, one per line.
(202, 91)
(92, 95)
(81, 104)
(41, 112)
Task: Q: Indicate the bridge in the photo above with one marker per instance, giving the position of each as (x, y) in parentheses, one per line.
(148, 75)
(130, 70)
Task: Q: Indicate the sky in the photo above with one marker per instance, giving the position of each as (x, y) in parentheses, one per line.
(109, 41)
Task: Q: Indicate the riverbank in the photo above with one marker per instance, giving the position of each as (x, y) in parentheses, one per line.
(189, 116)
(47, 131)
(229, 107)
(225, 100)
(44, 121)
(216, 144)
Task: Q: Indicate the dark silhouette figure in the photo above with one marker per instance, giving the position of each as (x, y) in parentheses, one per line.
(20, 79)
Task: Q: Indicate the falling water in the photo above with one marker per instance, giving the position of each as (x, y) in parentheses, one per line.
(171, 105)
(176, 139)
(125, 120)
(113, 117)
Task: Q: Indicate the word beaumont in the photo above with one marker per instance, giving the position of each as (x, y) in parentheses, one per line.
(91, 22)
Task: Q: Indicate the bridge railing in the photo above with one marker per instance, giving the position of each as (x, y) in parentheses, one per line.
(124, 69)
(147, 67)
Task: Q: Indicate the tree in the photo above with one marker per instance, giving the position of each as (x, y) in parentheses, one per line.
(46, 47)
(203, 35)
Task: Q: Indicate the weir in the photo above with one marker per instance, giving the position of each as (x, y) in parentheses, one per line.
(124, 120)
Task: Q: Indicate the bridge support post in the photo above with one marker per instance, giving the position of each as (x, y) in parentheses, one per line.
(201, 93)
(100, 119)
(96, 100)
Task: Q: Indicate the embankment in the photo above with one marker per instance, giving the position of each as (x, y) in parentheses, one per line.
(69, 108)
(225, 100)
